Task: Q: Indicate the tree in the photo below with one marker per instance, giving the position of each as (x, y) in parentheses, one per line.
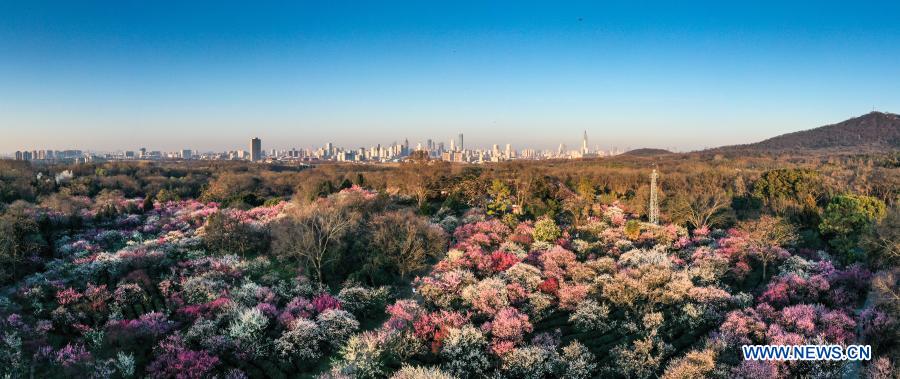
(767, 237)
(418, 156)
(700, 208)
(782, 189)
(360, 180)
(884, 242)
(418, 182)
(525, 185)
(313, 234)
(19, 237)
(500, 202)
(546, 230)
(227, 235)
(404, 243)
(230, 186)
(847, 218)
(580, 205)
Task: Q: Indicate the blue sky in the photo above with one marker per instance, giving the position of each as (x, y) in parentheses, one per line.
(210, 75)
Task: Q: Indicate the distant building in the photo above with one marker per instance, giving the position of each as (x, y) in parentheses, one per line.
(256, 149)
(584, 144)
(186, 154)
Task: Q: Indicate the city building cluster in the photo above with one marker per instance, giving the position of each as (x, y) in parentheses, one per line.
(454, 151)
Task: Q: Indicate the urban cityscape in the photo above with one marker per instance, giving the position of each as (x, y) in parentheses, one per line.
(453, 151)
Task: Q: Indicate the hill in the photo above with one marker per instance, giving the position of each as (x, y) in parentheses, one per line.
(646, 152)
(875, 131)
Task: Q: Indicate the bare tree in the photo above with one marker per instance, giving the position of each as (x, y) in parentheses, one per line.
(701, 208)
(405, 241)
(883, 242)
(313, 234)
(767, 237)
(416, 181)
(524, 185)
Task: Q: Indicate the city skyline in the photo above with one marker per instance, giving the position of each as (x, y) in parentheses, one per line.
(454, 151)
(693, 75)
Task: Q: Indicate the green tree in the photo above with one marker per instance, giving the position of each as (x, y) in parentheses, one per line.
(500, 202)
(546, 230)
(847, 219)
(165, 195)
(19, 238)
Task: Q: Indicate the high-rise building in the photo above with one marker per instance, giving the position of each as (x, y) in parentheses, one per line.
(256, 149)
(186, 154)
(584, 145)
(462, 146)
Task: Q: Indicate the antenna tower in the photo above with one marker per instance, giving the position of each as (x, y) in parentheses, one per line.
(654, 199)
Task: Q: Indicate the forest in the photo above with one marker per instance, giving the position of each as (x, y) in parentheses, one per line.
(427, 269)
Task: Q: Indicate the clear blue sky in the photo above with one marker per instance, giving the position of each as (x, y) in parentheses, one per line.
(210, 75)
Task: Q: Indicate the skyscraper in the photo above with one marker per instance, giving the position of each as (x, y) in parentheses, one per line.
(462, 146)
(255, 149)
(584, 146)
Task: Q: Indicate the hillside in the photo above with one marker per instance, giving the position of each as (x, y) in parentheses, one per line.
(646, 152)
(875, 131)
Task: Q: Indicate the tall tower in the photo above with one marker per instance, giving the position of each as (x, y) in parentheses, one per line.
(462, 146)
(584, 147)
(654, 199)
(255, 149)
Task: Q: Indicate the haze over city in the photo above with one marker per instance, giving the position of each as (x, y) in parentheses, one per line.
(208, 77)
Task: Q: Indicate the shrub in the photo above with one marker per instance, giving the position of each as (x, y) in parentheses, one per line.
(591, 316)
(414, 372)
(695, 364)
(175, 360)
(464, 352)
(530, 362)
(577, 361)
(545, 230)
(337, 326)
(301, 341)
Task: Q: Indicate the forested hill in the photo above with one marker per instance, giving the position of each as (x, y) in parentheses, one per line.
(647, 152)
(875, 131)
